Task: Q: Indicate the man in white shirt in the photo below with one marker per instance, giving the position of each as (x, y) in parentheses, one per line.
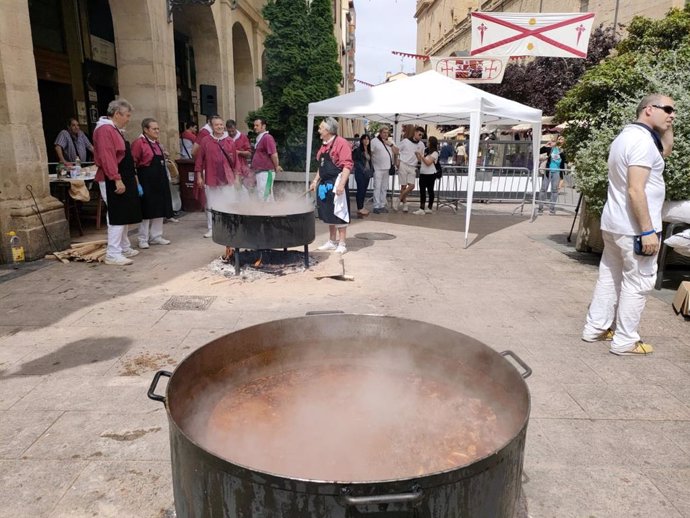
(407, 169)
(382, 158)
(632, 212)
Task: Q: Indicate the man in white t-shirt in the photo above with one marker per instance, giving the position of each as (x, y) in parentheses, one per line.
(632, 212)
(383, 157)
(407, 168)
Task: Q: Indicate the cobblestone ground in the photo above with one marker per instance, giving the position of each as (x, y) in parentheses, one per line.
(79, 343)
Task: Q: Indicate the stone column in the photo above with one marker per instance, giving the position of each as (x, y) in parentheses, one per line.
(222, 73)
(23, 161)
(145, 50)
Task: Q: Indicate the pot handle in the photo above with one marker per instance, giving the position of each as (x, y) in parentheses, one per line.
(396, 498)
(152, 389)
(520, 362)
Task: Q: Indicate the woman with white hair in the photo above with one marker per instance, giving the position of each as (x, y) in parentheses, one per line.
(330, 184)
(116, 177)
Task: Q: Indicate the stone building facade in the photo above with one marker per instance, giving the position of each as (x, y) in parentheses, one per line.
(443, 26)
(70, 58)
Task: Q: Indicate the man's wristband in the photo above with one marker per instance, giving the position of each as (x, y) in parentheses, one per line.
(648, 233)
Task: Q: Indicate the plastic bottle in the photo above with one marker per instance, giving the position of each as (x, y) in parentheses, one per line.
(76, 170)
(17, 248)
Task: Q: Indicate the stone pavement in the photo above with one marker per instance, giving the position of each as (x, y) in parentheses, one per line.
(79, 343)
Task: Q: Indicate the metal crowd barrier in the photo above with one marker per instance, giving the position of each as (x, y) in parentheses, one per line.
(492, 184)
(568, 196)
(393, 191)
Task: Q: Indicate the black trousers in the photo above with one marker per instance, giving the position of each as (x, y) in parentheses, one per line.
(362, 184)
(426, 184)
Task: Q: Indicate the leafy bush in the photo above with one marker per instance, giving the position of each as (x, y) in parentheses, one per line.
(606, 98)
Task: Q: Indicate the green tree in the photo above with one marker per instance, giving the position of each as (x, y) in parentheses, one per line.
(301, 67)
(605, 99)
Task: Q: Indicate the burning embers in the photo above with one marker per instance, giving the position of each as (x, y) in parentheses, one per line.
(256, 230)
(258, 264)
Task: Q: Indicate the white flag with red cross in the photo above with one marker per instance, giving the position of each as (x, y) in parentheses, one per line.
(470, 69)
(564, 35)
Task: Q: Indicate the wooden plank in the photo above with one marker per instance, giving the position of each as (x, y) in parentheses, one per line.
(52, 66)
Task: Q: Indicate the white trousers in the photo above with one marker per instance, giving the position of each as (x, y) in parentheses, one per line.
(150, 229)
(211, 197)
(621, 291)
(380, 187)
(262, 178)
(117, 234)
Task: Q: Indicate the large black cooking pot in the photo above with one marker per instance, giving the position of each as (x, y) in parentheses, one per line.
(263, 232)
(210, 486)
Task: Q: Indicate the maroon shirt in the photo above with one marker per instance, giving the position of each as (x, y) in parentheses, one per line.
(141, 151)
(108, 152)
(202, 135)
(218, 169)
(242, 144)
(261, 161)
(341, 153)
(188, 135)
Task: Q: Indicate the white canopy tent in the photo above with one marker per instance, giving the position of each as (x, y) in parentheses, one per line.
(431, 98)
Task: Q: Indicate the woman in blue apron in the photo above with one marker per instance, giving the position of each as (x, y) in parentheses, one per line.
(330, 185)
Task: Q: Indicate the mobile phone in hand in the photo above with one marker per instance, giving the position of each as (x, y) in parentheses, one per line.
(637, 247)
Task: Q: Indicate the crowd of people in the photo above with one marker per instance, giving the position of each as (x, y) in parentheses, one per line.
(225, 161)
(134, 180)
(378, 158)
(134, 183)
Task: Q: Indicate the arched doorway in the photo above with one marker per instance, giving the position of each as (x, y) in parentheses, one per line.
(197, 62)
(244, 75)
(75, 59)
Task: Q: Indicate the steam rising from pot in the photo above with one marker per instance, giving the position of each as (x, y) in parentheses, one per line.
(376, 417)
(233, 200)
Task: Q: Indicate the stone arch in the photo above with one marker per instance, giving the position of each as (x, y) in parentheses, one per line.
(197, 23)
(244, 75)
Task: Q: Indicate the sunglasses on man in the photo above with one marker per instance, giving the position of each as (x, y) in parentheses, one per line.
(668, 109)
